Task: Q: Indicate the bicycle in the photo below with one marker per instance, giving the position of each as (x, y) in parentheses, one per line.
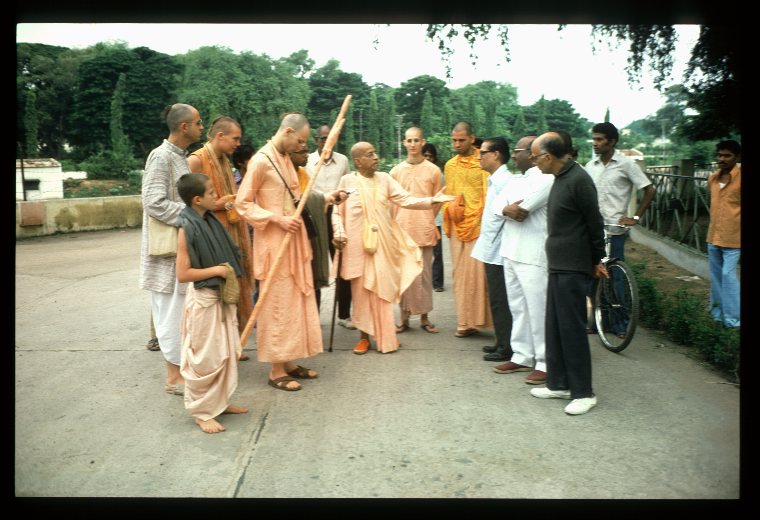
(616, 302)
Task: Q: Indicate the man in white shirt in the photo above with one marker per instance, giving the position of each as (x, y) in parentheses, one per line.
(327, 181)
(615, 177)
(494, 154)
(523, 206)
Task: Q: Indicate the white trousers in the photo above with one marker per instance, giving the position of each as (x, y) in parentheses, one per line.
(526, 292)
(167, 317)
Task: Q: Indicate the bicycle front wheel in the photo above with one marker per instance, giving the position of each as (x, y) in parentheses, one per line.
(616, 307)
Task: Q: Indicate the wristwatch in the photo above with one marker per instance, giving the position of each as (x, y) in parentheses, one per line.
(635, 217)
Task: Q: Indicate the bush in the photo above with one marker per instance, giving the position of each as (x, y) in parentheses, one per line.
(134, 179)
(67, 165)
(685, 319)
(108, 165)
(650, 300)
(682, 314)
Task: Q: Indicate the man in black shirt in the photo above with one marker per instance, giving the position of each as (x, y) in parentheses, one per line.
(574, 249)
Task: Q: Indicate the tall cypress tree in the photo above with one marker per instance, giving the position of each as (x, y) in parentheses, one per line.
(518, 129)
(373, 123)
(31, 124)
(426, 115)
(119, 141)
(543, 126)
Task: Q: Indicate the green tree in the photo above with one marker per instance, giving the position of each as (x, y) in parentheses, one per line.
(542, 125)
(119, 141)
(410, 96)
(519, 126)
(607, 115)
(52, 72)
(150, 80)
(426, 115)
(373, 126)
(30, 124)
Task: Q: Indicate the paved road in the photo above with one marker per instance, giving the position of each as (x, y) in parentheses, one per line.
(431, 421)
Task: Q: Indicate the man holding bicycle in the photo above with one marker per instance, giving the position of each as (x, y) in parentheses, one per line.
(615, 177)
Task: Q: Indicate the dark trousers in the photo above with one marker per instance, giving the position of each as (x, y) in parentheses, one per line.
(342, 287)
(568, 355)
(497, 297)
(438, 262)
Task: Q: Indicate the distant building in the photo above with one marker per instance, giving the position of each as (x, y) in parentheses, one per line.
(636, 155)
(42, 179)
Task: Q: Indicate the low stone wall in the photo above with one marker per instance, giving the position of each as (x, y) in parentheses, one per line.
(674, 252)
(48, 217)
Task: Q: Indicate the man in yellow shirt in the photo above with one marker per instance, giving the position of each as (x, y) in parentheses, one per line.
(465, 178)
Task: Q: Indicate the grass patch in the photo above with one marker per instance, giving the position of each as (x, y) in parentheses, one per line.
(684, 318)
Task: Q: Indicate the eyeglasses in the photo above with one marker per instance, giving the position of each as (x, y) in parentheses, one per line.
(487, 151)
(535, 157)
(322, 138)
(516, 150)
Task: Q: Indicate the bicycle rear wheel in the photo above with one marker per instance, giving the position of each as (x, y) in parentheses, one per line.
(616, 307)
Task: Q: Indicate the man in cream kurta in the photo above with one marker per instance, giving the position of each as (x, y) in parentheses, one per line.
(421, 178)
(464, 176)
(288, 326)
(377, 279)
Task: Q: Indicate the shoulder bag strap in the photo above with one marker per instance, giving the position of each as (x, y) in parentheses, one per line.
(281, 177)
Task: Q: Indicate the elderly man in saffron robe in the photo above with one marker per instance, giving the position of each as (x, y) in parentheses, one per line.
(381, 267)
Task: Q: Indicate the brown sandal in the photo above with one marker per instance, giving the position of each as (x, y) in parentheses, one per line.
(401, 328)
(429, 327)
(302, 373)
(281, 383)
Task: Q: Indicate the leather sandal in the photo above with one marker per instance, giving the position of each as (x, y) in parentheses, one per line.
(281, 383)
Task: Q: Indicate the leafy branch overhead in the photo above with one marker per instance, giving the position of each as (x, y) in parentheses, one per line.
(712, 79)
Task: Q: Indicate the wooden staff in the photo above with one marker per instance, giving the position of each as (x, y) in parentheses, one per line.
(332, 138)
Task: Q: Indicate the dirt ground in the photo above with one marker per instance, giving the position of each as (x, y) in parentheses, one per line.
(668, 277)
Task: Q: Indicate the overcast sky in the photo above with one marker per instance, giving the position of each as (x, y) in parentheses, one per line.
(544, 61)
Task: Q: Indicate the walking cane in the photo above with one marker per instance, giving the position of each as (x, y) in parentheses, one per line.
(335, 302)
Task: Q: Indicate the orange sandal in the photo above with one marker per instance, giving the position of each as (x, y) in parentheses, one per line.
(362, 347)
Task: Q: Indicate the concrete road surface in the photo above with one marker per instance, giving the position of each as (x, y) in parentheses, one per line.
(430, 421)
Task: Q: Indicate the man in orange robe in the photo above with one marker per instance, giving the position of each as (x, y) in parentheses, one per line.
(379, 277)
(465, 177)
(212, 161)
(420, 178)
(288, 325)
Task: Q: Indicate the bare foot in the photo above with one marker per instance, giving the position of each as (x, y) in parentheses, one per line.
(235, 409)
(210, 426)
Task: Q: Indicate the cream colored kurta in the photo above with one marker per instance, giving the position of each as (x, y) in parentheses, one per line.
(288, 325)
(420, 180)
(377, 280)
(210, 349)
